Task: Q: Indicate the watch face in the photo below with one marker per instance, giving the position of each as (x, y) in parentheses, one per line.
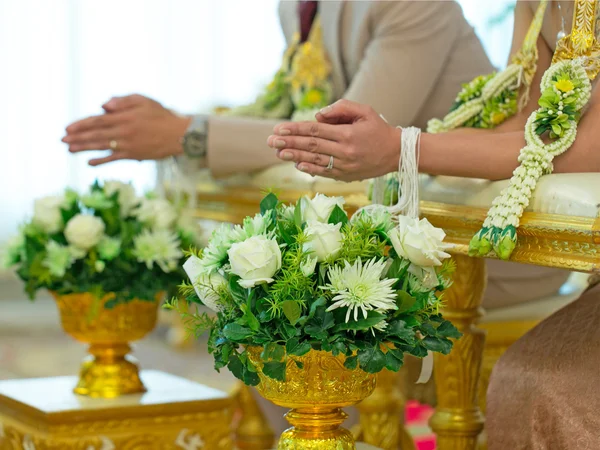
(195, 144)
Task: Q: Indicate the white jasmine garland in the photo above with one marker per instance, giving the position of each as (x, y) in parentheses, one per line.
(47, 215)
(206, 286)
(84, 231)
(419, 242)
(360, 288)
(160, 247)
(127, 198)
(255, 260)
(320, 207)
(323, 240)
(499, 228)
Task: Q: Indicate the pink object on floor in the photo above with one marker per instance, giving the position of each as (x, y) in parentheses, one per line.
(417, 416)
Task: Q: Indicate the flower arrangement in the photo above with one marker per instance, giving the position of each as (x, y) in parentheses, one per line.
(106, 241)
(301, 86)
(489, 100)
(566, 89)
(305, 276)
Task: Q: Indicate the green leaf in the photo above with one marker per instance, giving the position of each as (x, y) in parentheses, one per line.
(273, 351)
(236, 332)
(338, 215)
(448, 330)
(313, 308)
(295, 348)
(372, 360)
(373, 318)
(392, 361)
(351, 362)
(339, 347)
(299, 364)
(268, 203)
(275, 370)
(287, 237)
(291, 310)
(405, 302)
(298, 213)
(435, 344)
(249, 318)
(399, 329)
(318, 326)
(241, 371)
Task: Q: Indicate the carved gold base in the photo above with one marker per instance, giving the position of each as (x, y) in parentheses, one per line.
(316, 393)
(175, 414)
(109, 372)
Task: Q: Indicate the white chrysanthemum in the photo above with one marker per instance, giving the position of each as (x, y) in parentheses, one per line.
(109, 248)
(378, 215)
(161, 247)
(157, 213)
(14, 251)
(252, 226)
(287, 212)
(59, 258)
(127, 197)
(215, 253)
(359, 287)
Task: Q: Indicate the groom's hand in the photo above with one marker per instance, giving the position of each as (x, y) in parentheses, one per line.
(133, 127)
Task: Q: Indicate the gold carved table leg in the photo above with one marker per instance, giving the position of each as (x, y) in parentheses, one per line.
(253, 431)
(458, 421)
(382, 414)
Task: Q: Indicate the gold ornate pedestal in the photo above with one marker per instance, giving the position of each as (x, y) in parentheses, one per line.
(316, 393)
(109, 372)
(175, 414)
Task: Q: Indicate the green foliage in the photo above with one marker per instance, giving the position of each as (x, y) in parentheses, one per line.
(294, 314)
(47, 260)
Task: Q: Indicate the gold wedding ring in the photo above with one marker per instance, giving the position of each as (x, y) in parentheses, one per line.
(113, 145)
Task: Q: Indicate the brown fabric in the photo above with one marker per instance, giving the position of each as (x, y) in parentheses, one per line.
(543, 393)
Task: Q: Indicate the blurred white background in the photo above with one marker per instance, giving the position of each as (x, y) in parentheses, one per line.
(61, 59)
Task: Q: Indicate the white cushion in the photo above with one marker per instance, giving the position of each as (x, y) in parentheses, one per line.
(566, 194)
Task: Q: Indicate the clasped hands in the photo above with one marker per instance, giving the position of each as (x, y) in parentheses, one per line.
(132, 127)
(362, 144)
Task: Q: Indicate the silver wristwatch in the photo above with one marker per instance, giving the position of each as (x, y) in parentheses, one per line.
(195, 140)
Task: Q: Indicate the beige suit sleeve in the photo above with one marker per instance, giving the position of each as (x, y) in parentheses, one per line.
(411, 43)
(239, 145)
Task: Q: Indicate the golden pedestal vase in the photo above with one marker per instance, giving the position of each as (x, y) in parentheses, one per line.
(316, 393)
(109, 372)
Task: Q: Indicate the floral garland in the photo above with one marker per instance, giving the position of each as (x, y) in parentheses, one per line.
(566, 89)
(489, 100)
(301, 86)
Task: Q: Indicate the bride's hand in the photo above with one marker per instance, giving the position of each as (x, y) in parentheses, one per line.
(361, 143)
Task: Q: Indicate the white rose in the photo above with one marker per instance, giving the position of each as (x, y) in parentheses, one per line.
(127, 198)
(320, 207)
(324, 240)
(157, 213)
(308, 266)
(46, 213)
(255, 260)
(419, 242)
(206, 286)
(84, 231)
